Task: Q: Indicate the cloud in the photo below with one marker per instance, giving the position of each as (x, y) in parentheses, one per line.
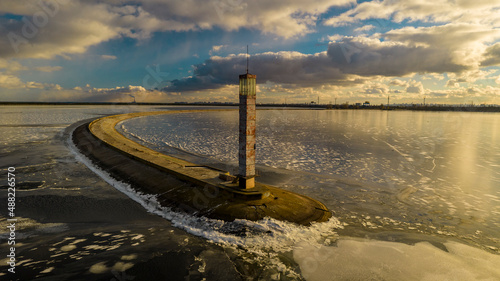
(472, 76)
(9, 71)
(435, 11)
(452, 83)
(216, 49)
(128, 93)
(10, 66)
(108, 57)
(492, 55)
(120, 90)
(377, 89)
(10, 81)
(48, 68)
(433, 76)
(450, 48)
(91, 94)
(487, 94)
(447, 48)
(364, 28)
(72, 28)
(465, 43)
(463, 40)
(452, 35)
(415, 87)
(369, 56)
(66, 27)
(284, 18)
(398, 82)
(292, 68)
(333, 38)
(49, 28)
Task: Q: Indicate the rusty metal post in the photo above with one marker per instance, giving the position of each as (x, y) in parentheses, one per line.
(246, 156)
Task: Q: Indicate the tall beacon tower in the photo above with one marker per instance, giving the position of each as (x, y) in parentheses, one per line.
(246, 156)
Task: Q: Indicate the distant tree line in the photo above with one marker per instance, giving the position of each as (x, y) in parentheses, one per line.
(366, 105)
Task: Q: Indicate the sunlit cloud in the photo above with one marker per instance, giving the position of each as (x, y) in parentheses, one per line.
(108, 57)
(436, 11)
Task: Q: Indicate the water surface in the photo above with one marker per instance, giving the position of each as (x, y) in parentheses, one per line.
(391, 175)
(414, 194)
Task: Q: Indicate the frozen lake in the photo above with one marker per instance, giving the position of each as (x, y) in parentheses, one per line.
(415, 195)
(389, 175)
(445, 165)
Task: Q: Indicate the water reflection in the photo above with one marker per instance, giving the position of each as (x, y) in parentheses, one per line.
(442, 165)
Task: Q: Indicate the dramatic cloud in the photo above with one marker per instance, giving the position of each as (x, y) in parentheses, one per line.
(492, 56)
(44, 29)
(285, 18)
(437, 11)
(447, 48)
(49, 28)
(466, 43)
(384, 47)
(369, 57)
(450, 48)
(292, 68)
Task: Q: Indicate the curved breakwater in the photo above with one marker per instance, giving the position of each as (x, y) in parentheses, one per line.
(205, 193)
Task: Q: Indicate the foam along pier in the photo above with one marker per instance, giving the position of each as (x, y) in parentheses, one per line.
(185, 186)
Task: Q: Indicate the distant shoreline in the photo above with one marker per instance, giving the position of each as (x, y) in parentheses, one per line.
(415, 107)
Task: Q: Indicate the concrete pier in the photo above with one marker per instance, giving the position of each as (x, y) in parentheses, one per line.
(185, 186)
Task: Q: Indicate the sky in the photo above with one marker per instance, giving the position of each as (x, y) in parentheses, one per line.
(446, 51)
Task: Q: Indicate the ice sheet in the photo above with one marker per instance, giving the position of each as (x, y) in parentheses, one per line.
(362, 259)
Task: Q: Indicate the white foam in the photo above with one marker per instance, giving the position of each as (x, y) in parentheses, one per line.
(359, 259)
